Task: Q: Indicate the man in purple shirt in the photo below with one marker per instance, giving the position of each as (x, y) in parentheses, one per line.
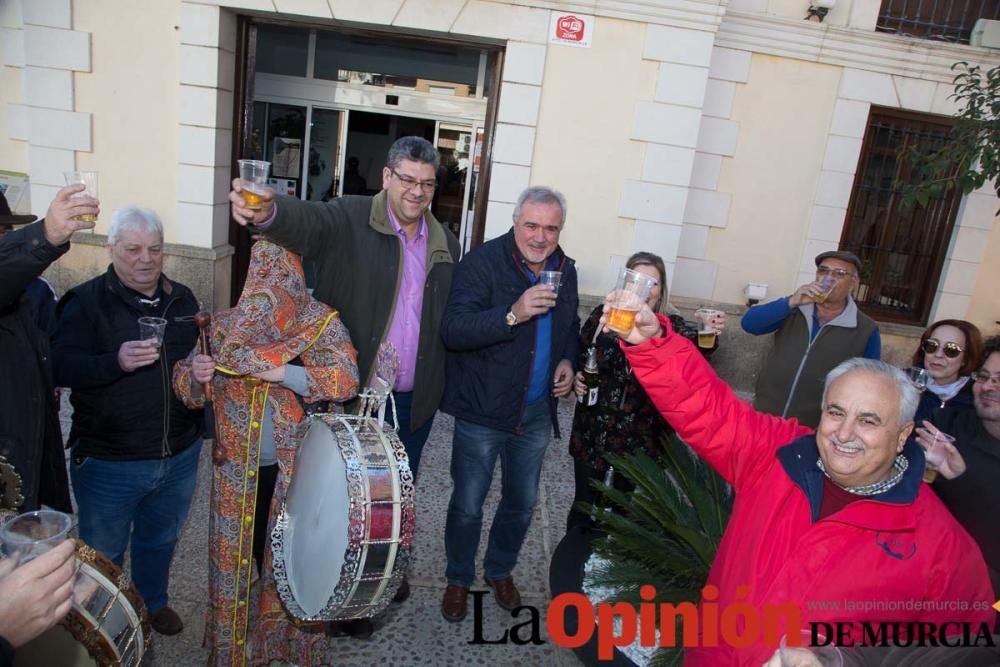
(385, 263)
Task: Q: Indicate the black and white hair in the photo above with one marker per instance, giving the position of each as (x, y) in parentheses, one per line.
(416, 149)
(134, 218)
(541, 194)
(909, 395)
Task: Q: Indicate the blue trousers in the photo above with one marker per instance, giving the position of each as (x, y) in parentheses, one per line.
(413, 441)
(148, 499)
(474, 454)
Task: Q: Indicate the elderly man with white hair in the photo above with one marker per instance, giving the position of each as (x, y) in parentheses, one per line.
(134, 444)
(835, 522)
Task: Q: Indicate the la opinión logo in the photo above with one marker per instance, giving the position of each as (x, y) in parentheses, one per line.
(738, 625)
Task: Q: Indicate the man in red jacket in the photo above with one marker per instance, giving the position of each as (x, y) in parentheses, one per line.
(836, 522)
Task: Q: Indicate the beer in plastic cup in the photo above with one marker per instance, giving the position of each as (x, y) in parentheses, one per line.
(627, 300)
(253, 181)
(89, 180)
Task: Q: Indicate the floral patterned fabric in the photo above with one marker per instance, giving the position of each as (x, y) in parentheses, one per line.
(624, 419)
(274, 323)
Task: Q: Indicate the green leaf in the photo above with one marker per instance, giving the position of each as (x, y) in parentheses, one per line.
(665, 532)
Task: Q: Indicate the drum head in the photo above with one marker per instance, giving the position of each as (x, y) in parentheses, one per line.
(315, 540)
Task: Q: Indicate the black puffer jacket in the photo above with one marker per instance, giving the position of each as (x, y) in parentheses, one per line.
(119, 415)
(29, 418)
(489, 363)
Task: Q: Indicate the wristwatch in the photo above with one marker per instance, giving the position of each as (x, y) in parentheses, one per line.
(511, 318)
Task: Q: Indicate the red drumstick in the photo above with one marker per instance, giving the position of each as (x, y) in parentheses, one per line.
(204, 320)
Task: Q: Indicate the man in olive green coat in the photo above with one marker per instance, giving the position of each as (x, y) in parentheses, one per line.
(386, 264)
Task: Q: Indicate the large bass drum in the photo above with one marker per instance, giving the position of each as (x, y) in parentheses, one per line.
(107, 625)
(341, 543)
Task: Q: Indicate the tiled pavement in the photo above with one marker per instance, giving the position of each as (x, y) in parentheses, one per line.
(412, 633)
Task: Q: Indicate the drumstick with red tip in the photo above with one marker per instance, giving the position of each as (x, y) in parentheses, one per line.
(204, 320)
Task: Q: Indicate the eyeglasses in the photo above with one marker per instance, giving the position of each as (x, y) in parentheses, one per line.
(984, 378)
(951, 350)
(839, 274)
(409, 182)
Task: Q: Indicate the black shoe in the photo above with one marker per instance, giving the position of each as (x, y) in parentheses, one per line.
(403, 592)
(359, 628)
(166, 621)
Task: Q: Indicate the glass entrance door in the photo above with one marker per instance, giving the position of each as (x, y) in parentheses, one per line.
(454, 144)
(326, 160)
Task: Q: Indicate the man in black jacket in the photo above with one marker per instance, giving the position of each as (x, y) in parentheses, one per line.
(30, 441)
(134, 445)
(970, 470)
(511, 340)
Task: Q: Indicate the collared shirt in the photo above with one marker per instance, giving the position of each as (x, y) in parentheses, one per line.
(540, 383)
(404, 331)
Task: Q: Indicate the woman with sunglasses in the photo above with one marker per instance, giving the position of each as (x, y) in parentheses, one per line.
(950, 350)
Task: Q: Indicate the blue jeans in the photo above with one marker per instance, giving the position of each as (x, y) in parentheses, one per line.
(474, 453)
(413, 441)
(149, 499)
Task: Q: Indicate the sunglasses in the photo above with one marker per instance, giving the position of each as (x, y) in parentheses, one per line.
(951, 350)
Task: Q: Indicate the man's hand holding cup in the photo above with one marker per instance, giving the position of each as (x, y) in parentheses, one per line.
(243, 214)
(536, 300)
(645, 326)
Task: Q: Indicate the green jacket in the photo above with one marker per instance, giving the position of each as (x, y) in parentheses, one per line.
(791, 381)
(358, 260)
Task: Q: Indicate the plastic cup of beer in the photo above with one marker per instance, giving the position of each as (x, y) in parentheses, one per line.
(253, 181)
(826, 286)
(940, 442)
(706, 337)
(27, 536)
(553, 278)
(152, 329)
(88, 179)
(627, 300)
(710, 318)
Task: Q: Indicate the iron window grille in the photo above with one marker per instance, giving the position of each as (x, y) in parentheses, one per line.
(945, 20)
(902, 249)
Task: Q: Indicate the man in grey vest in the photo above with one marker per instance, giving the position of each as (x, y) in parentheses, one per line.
(815, 328)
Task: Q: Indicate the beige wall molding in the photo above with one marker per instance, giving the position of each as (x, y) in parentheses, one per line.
(848, 47)
(694, 14)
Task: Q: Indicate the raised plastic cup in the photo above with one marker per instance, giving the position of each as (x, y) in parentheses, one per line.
(941, 440)
(626, 301)
(709, 317)
(553, 278)
(253, 181)
(826, 286)
(27, 536)
(88, 179)
(918, 376)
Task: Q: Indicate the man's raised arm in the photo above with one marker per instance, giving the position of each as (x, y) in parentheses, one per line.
(735, 439)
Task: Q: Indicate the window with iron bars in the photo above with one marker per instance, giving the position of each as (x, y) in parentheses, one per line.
(902, 249)
(945, 20)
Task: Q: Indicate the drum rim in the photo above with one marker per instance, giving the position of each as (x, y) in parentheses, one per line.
(343, 593)
(80, 627)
